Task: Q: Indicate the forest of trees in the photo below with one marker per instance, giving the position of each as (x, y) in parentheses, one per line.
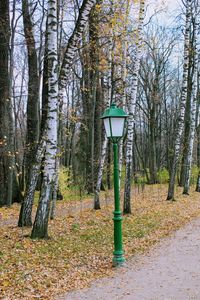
(62, 63)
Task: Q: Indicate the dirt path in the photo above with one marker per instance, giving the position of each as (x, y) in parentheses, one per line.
(62, 209)
(170, 271)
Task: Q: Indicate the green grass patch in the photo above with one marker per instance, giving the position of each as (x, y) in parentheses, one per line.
(69, 190)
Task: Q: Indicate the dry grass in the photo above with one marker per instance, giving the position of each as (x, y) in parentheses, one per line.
(81, 244)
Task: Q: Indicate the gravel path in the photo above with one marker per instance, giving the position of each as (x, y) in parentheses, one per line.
(170, 271)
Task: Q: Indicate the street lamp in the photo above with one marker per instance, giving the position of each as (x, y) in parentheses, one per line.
(114, 123)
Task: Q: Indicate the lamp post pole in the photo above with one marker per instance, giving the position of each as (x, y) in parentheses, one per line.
(114, 122)
(118, 258)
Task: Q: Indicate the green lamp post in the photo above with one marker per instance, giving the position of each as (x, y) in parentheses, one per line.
(114, 123)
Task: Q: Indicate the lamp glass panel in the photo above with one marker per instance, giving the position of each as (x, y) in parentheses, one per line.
(107, 127)
(117, 125)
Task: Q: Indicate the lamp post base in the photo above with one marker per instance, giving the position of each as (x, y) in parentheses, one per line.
(118, 259)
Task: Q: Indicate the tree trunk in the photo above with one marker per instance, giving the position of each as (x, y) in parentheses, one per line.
(69, 54)
(6, 130)
(55, 192)
(180, 121)
(188, 109)
(198, 183)
(124, 46)
(152, 139)
(25, 216)
(33, 91)
(106, 143)
(74, 40)
(100, 174)
(131, 107)
(108, 166)
(40, 227)
(16, 188)
(193, 114)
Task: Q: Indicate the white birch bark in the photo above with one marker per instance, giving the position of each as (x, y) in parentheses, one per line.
(40, 227)
(124, 75)
(193, 115)
(74, 41)
(69, 54)
(100, 173)
(131, 108)
(72, 46)
(55, 191)
(180, 123)
(25, 216)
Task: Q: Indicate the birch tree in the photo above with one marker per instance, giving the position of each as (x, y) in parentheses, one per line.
(193, 114)
(180, 121)
(71, 48)
(25, 216)
(73, 42)
(124, 42)
(131, 110)
(40, 227)
(108, 95)
(100, 174)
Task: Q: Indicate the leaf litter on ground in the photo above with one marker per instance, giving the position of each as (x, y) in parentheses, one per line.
(81, 244)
